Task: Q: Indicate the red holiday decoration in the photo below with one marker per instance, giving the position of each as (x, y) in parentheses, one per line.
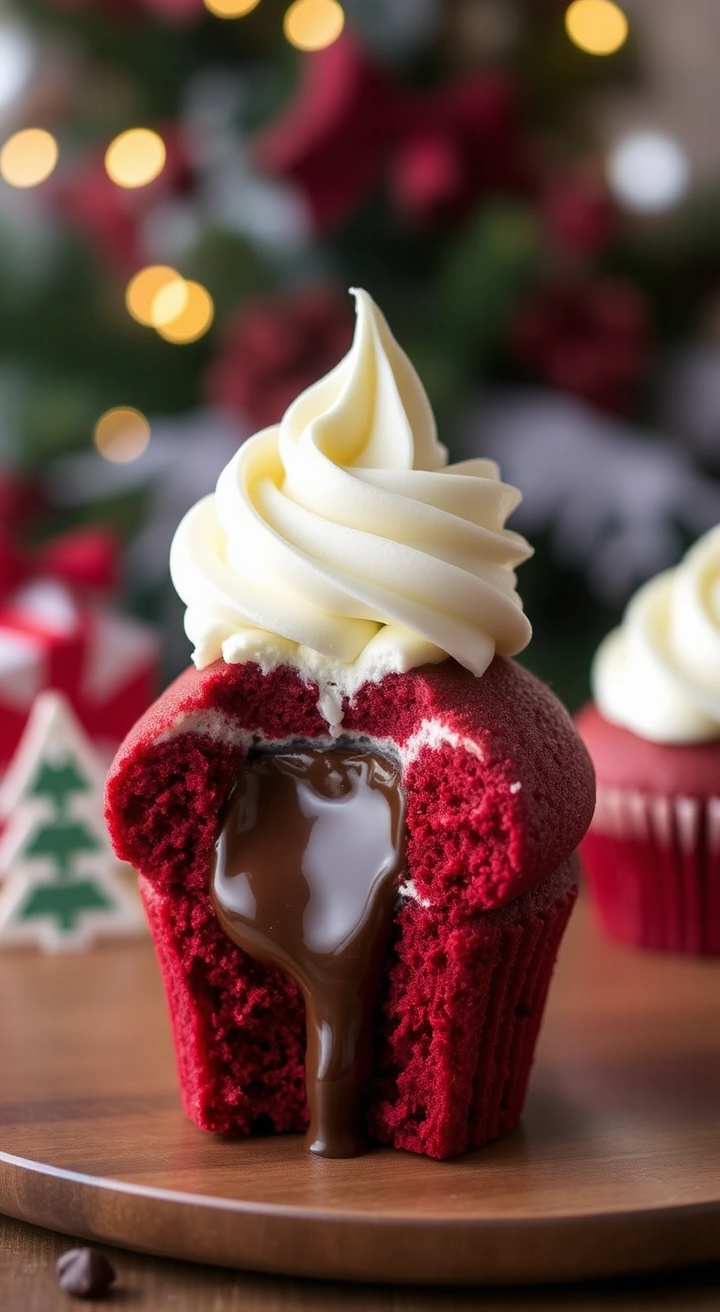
(57, 631)
(334, 139)
(84, 558)
(579, 217)
(349, 128)
(20, 500)
(275, 348)
(457, 145)
(12, 563)
(587, 338)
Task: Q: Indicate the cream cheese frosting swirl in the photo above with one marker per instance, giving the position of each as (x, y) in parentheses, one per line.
(658, 674)
(341, 541)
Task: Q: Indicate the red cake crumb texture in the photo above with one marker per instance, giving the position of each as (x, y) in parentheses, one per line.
(499, 792)
(652, 854)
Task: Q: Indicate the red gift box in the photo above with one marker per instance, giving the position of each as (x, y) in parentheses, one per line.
(56, 634)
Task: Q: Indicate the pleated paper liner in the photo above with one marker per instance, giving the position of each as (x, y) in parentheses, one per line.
(653, 865)
(509, 956)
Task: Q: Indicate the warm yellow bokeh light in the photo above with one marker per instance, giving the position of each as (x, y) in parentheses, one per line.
(598, 27)
(231, 8)
(195, 318)
(28, 157)
(135, 158)
(121, 434)
(169, 302)
(313, 24)
(144, 287)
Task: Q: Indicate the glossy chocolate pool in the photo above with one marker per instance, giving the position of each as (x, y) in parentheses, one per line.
(305, 878)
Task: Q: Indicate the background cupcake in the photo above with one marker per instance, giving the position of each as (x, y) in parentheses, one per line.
(652, 854)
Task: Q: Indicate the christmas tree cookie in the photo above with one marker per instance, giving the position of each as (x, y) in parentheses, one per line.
(61, 886)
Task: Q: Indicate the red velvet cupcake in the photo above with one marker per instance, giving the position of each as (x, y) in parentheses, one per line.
(498, 794)
(652, 854)
(355, 822)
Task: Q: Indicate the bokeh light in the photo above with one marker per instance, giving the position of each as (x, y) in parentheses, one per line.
(144, 287)
(121, 434)
(28, 157)
(648, 172)
(195, 318)
(598, 27)
(169, 302)
(135, 158)
(313, 24)
(231, 8)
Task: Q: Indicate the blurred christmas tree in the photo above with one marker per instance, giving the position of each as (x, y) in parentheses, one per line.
(188, 190)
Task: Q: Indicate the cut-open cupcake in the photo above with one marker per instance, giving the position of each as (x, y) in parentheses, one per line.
(355, 821)
(496, 791)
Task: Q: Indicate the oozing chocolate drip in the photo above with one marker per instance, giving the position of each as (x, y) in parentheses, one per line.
(305, 878)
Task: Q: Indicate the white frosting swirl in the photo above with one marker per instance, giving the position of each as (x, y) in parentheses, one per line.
(341, 541)
(659, 673)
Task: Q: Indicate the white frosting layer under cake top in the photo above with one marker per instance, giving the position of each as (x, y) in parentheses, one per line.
(658, 674)
(342, 542)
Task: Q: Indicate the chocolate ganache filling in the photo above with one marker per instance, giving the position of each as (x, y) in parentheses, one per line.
(305, 877)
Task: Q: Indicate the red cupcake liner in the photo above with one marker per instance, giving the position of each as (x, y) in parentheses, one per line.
(519, 990)
(451, 1070)
(653, 865)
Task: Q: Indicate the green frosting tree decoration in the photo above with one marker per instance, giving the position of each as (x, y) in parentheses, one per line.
(57, 782)
(62, 885)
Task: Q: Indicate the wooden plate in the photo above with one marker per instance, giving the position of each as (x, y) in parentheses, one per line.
(616, 1167)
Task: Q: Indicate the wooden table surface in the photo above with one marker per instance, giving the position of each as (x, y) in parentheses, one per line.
(146, 1284)
(637, 1074)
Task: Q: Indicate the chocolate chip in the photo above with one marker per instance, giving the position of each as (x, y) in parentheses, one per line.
(84, 1272)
